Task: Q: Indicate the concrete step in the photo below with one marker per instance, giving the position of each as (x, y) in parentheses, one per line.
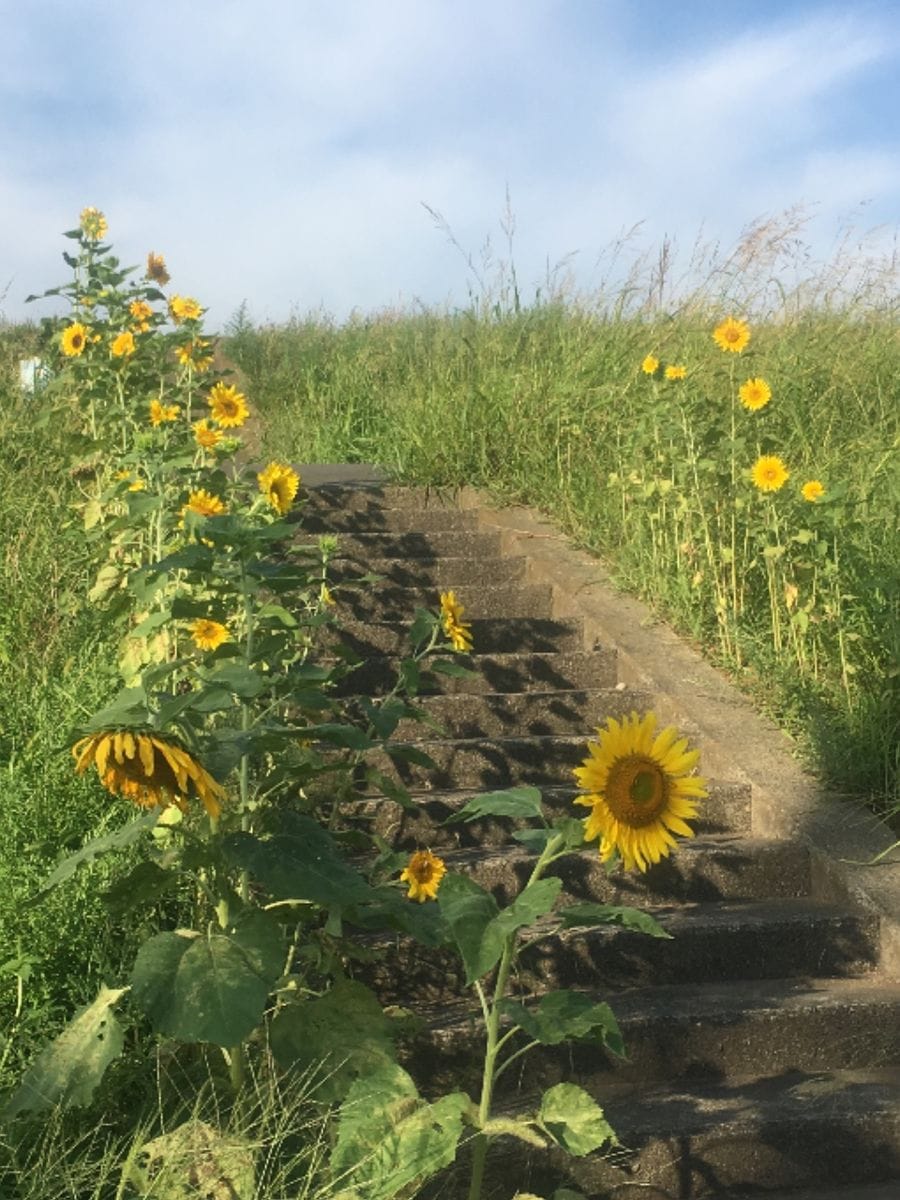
(490, 635)
(564, 671)
(461, 543)
(532, 714)
(746, 1135)
(318, 519)
(485, 764)
(374, 497)
(686, 1034)
(390, 602)
(716, 942)
(725, 811)
(435, 573)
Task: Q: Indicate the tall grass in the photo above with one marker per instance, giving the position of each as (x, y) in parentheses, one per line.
(546, 404)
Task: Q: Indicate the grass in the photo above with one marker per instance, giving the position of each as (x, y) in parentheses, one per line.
(546, 404)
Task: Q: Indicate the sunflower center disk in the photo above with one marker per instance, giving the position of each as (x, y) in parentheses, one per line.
(637, 791)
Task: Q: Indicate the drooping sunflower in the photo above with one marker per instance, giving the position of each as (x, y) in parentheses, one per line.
(122, 345)
(185, 308)
(279, 484)
(228, 406)
(459, 633)
(676, 372)
(812, 490)
(93, 224)
(209, 635)
(755, 394)
(156, 269)
(74, 340)
(640, 790)
(142, 312)
(150, 769)
(423, 873)
(205, 436)
(769, 473)
(732, 335)
(161, 413)
(650, 365)
(204, 504)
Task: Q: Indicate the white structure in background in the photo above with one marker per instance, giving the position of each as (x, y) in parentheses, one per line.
(34, 374)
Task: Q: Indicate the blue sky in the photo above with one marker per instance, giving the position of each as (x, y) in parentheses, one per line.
(281, 151)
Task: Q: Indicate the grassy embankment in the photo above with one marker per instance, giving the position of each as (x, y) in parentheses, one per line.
(548, 405)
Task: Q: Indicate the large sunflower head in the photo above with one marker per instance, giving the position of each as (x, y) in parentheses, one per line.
(141, 312)
(640, 790)
(755, 394)
(279, 484)
(204, 504)
(74, 340)
(160, 414)
(423, 873)
(205, 436)
(184, 308)
(732, 335)
(93, 224)
(228, 406)
(122, 345)
(209, 635)
(156, 269)
(150, 769)
(813, 490)
(458, 633)
(769, 473)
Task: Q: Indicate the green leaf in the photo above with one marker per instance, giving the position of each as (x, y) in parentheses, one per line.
(347, 736)
(574, 1120)
(521, 802)
(340, 1036)
(238, 678)
(470, 913)
(532, 902)
(391, 788)
(66, 1073)
(301, 862)
(535, 840)
(209, 987)
(411, 754)
(144, 884)
(389, 1141)
(446, 666)
(275, 612)
(117, 840)
(611, 914)
(193, 1160)
(567, 1016)
(423, 623)
(410, 676)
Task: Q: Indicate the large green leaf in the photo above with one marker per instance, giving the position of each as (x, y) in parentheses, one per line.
(574, 1120)
(303, 862)
(238, 678)
(144, 884)
(389, 1140)
(612, 914)
(532, 902)
(341, 1036)
(209, 987)
(117, 840)
(565, 1016)
(67, 1072)
(471, 913)
(194, 1160)
(522, 802)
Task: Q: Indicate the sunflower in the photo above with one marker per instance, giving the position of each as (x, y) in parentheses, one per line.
(149, 769)
(650, 365)
(732, 335)
(812, 490)
(134, 484)
(423, 873)
(93, 224)
(184, 308)
(74, 340)
(205, 436)
(191, 354)
(156, 269)
(204, 504)
(456, 630)
(228, 406)
(676, 371)
(142, 312)
(279, 483)
(160, 413)
(769, 473)
(639, 790)
(122, 345)
(755, 394)
(209, 635)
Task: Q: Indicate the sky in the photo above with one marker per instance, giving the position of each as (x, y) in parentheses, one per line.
(360, 155)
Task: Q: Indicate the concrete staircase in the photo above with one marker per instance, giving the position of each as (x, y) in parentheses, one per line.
(763, 1040)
